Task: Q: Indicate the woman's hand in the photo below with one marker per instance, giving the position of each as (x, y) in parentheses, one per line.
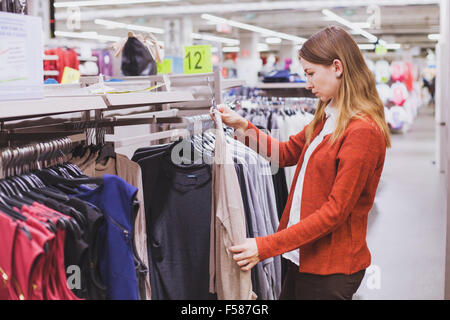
(230, 117)
(246, 254)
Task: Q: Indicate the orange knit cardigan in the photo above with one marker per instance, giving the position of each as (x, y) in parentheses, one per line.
(338, 192)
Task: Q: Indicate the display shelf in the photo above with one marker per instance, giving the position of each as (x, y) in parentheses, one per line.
(125, 100)
(19, 109)
(85, 58)
(51, 57)
(232, 83)
(281, 85)
(51, 72)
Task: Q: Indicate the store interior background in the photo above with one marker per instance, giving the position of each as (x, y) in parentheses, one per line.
(408, 226)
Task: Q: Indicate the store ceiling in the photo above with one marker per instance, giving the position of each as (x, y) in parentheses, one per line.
(408, 25)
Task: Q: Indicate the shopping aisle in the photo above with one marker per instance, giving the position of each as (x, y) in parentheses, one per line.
(406, 231)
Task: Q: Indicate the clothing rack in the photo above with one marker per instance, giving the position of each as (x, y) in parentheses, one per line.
(164, 109)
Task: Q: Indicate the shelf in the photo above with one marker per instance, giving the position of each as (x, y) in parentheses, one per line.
(51, 73)
(232, 83)
(51, 57)
(281, 85)
(117, 101)
(11, 110)
(92, 58)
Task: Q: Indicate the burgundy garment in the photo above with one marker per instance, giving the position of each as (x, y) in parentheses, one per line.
(27, 253)
(39, 274)
(58, 267)
(8, 229)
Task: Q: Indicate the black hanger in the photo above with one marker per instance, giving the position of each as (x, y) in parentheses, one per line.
(52, 178)
(19, 194)
(107, 151)
(78, 150)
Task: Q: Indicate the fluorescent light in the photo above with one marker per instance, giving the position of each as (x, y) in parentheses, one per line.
(119, 25)
(262, 47)
(249, 27)
(371, 46)
(393, 46)
(366, 46)
(350, 25)
(273, 40)
(87, 35)
(240, 7)
(434, 36)
(362, 25)
(230, 49)
(207, 37)
(103, 3)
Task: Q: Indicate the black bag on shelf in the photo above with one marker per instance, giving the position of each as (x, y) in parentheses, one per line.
(136, 59)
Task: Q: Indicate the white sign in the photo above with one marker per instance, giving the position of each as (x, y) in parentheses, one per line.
(21, 64)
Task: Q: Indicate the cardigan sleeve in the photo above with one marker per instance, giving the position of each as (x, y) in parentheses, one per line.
(283, 154)
(358, 158)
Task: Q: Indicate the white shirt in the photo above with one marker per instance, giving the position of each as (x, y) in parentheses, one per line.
(294, 216)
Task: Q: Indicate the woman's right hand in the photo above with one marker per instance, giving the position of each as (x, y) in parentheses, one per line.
(230, 118)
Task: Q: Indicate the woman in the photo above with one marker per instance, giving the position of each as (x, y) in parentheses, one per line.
(339, 157)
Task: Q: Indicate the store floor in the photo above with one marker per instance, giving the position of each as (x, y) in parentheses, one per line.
(406, 230)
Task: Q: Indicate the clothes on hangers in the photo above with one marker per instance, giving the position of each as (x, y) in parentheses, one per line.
(32, 260)
(115, 199)
(227, 228)
(283, 124)
(104, 61)
(68, 224)
(178, 205)
(67, 57)
(130, 171)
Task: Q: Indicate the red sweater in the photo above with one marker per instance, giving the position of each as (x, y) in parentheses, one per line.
(338, 192)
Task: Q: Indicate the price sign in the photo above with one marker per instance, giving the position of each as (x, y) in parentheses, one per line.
(165, 67)
(197, 59)
(70, 75)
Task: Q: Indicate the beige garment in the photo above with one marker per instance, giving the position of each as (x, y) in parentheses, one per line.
(131, 172)
(88, 167)
(227, 228)
(80, 160)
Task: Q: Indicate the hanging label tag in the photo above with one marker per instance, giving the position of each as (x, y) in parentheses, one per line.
(165, 67)
(70, 76)
(197, 59)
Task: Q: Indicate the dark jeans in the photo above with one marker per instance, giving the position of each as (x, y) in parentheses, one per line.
(306, 286)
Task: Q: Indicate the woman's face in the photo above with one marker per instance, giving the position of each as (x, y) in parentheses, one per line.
(323, 80)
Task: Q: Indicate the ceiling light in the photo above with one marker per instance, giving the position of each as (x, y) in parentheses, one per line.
(103, 3)
(249, 27)
(221, 8)
(366, 46)
(230, 49)
(273, 40)
(262, 47)
(119, 25)
(207, 37)
(434, 36)
(388, 46)
(350, 25)
(362, 25)
(87, 35)
(393, 46)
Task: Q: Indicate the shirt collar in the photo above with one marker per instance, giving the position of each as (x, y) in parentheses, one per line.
(331, 111)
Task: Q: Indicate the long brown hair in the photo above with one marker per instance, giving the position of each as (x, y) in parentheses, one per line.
(357, 95)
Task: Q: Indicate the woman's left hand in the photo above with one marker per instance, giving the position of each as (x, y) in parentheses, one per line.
(246, 254)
